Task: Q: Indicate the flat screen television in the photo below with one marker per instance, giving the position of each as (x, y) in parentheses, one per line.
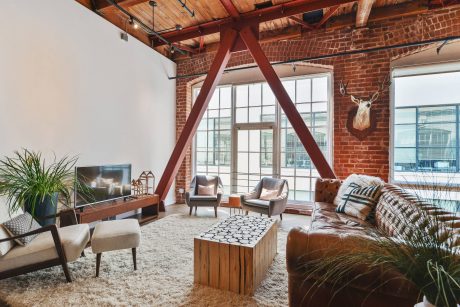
(103, 183)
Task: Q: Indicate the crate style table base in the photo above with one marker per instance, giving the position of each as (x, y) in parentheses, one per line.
(235, 254)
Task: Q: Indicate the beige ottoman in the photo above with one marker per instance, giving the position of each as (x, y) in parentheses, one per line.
(115, 235)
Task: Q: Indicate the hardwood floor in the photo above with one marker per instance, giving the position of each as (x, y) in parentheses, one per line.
(289, 220)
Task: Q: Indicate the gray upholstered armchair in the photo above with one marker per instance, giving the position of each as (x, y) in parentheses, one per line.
(207, 197)
(273, 199)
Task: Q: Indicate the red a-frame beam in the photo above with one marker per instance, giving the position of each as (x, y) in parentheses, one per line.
(287, 105)
(210, 83)
(199, 107)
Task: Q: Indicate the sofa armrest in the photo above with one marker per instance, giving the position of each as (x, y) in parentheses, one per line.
(326, 190)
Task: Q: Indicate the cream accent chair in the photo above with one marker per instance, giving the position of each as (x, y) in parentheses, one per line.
(52, 246)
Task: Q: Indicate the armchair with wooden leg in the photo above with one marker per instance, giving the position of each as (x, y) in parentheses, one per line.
(52, 246)
(268, 197)
(205, 191)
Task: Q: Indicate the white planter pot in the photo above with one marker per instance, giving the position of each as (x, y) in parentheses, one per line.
(425, 303)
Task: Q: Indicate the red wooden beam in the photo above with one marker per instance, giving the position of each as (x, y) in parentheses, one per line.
(302, 22)
(249, 19)
(230, 8)
(199, 107)
(288, 107)
(328, 16)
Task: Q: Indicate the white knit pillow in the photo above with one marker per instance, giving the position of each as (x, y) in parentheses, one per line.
(268, 194)
(361, 180)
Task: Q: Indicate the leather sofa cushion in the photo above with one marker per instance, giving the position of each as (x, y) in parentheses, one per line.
(73, 238)
(325, 218)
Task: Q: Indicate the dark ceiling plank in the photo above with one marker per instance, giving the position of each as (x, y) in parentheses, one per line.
(251, 18)
(363, 12)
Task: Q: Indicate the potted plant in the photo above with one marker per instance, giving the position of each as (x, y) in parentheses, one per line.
(423, 254)
(28, 182)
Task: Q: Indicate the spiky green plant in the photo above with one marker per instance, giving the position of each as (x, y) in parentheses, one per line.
(26, 179)
(424, 253)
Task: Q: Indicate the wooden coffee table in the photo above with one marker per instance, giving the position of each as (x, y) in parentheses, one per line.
(236, 253)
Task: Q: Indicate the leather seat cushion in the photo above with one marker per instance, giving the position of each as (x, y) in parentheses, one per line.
(115, 235)
(73, 238)
(258, 203)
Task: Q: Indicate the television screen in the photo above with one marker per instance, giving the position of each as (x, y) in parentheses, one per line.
(102, 183)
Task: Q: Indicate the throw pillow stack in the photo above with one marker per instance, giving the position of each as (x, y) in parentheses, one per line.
(358, 196)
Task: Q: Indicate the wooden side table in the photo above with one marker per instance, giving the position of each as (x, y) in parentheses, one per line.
(234, 202)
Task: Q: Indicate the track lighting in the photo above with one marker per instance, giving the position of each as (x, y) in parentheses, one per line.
(133, 23)
(178, 27)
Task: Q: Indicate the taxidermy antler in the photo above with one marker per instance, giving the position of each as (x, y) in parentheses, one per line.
(361, 121)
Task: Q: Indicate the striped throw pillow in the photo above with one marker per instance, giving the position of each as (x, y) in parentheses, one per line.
(359, 201)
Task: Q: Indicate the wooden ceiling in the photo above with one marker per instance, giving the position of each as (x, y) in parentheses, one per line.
(169, 13)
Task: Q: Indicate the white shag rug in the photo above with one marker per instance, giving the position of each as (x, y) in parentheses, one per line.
(164, 276)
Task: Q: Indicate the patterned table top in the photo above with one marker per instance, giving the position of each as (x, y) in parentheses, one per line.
(239, 230)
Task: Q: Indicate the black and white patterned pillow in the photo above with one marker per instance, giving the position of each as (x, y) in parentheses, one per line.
(22, 224)
(360, 201)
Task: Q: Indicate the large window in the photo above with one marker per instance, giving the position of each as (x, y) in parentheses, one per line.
(426, 125)
(245, 135)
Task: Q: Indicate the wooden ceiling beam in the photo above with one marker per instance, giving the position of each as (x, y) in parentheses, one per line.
(363, 12)
(250, 18)
(381, 13)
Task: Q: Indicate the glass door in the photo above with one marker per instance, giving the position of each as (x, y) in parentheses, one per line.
(254, 156)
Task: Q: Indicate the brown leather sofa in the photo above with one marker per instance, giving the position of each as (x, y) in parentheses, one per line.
(332, 231)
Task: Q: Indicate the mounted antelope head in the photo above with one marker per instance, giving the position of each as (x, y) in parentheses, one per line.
(361, 120)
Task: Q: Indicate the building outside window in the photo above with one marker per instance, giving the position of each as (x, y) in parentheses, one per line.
(426, 125)
(244, 130)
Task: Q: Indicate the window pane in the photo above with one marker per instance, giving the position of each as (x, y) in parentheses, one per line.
(242, 96)
(304, 90)
(290, 88)
(241, 115)
(405, 116)
(243, 140)
(255, 94)
(254, 114)
(226, 97)
(442, 135)
(437, 159)
(405, 136)
(320, 89)
(201, 140)
(268, 96)
(214, 103)
(405, 159)
(437, 114)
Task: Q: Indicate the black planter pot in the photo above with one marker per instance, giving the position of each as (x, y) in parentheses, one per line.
(47, 207)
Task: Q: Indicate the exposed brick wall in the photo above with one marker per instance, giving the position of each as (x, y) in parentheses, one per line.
(363, 71)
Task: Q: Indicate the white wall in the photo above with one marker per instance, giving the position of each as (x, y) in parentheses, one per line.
(70, 85)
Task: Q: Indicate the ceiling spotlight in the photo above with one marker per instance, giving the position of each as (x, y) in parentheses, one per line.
(136, 26)
(172, 50)
(153, 3)
(133, 23)
(178, 27)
